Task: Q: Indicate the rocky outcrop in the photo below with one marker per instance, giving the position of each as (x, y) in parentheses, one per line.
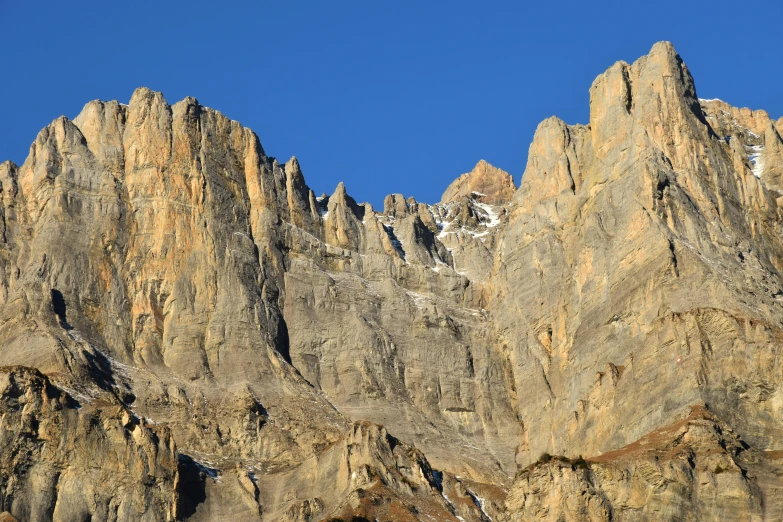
(211, 341)
(754, 136)
(63, 461)
(696, 469)
(489, 183)
(368, 473)
(636, 255)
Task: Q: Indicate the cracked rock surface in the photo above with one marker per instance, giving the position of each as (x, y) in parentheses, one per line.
(187, 332)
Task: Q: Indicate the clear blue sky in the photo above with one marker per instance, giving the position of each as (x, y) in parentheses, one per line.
(387, 96)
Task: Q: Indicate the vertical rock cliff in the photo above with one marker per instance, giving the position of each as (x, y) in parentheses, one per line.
(189, 333)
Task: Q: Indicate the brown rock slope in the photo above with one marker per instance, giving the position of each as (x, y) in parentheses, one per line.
(211, 341)
(692, 470)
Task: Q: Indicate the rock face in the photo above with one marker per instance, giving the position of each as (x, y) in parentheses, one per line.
(61, 461)
(189, 333)
(490, 184)
(694, 469)
(648, 249)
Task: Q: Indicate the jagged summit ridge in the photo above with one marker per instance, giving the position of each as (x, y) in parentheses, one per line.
(189, 299)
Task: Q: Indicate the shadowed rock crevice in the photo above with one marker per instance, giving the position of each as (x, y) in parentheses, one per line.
(191, 488)
(283, 342)
(59, 307)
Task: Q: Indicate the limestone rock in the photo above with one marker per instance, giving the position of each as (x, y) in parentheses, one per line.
(628, 262)
(695, 469)
(489, 183)
(189, 333)
(61, 461)
(754, 137)
(348, 479)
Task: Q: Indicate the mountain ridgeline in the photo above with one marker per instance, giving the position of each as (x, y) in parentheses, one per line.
(187, 332)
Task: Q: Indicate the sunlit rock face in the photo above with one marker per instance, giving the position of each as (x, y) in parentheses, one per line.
(189, 333)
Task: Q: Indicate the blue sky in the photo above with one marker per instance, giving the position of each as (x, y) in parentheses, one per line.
(386, 96)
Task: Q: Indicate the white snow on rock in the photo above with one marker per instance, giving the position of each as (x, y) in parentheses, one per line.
(443, 230)
(494, 219)
(323, 210)
(480, 503)
(755, 155)
(451, 504)
(439, 265)
(488, 216)
(419, 300)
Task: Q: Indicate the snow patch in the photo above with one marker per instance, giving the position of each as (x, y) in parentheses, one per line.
(206, 468)
(454, 509)
(755, 155)
(488, 216)
(494, 219)
(80, 397)
(480, 503)
(443, 230)
(439, 265)
(117, 367)
(418, 299)
(323, 209)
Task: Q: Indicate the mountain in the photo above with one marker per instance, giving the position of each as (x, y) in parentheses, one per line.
(188, 333)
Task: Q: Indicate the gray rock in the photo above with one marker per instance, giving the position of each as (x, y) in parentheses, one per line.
(210, 341)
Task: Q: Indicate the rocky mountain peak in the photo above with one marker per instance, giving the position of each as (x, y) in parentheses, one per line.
(490, 184)
(8, 167)
(292, 166)
(210, 340)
